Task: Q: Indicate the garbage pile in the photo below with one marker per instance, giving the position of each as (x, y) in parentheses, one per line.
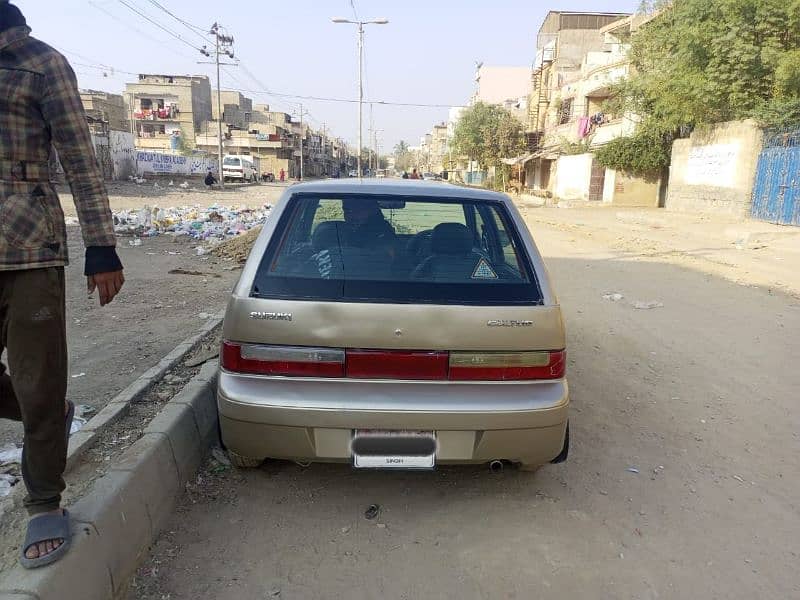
(211, 224)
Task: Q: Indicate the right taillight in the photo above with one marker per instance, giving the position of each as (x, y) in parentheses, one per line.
(289, 361)
(507, 366)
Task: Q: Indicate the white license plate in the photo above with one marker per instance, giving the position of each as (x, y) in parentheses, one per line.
(375, 449)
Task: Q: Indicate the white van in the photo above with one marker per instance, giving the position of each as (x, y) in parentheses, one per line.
(241, 168)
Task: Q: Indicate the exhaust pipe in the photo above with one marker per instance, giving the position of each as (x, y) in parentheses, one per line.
(496, 466)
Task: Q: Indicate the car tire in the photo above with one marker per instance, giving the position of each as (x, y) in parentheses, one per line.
(562, 456)
(244, 462)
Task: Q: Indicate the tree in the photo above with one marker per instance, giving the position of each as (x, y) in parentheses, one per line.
(403, 158)
(700, 62)
(488, 133)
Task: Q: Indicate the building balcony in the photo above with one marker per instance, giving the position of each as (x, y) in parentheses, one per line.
(612, 130)
(158, 115)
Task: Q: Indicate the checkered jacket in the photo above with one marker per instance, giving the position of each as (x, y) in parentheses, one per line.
(40, 108)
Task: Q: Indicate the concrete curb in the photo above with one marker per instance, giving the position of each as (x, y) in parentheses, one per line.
(118, 406)
(114, 524)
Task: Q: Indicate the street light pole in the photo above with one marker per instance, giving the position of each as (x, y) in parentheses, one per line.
(360, 91)
(360, 25)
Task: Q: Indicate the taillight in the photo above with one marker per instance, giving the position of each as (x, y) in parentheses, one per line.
(283, 360)
(379, 364)
(298, 361)
(507, 366)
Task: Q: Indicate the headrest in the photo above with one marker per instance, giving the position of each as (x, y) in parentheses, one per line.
(451, 238)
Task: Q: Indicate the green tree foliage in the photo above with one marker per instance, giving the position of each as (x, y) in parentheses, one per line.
(403, 158)
(487, 134)
(643, 153)
(701, 62)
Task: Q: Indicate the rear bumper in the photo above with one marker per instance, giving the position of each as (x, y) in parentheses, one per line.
(313, 420)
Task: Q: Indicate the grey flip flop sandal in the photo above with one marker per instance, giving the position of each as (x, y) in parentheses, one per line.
(48, 526)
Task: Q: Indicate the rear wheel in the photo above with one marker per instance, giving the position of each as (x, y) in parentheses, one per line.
(244, 462)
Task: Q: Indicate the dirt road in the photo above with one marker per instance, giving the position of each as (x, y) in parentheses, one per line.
(682, 480)
(112, 346)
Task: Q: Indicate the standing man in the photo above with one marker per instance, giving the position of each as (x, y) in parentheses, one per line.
(40, 107)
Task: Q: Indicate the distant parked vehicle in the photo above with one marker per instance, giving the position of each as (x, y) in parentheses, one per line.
(239, 168)
(431, 177)
(353, 173)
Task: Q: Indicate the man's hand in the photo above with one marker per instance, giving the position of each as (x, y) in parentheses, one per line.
(107, 284)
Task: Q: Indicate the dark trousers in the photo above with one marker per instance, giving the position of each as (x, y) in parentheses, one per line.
(33, 331)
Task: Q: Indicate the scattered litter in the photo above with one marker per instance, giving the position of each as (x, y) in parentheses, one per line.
(211, 224)
(739, 479)
(204, 315)
(703, 421)
(78, 375)
(613, 296)
(345, 530)
(135, 242)
(648, 305)
(84, 410)
(372, 511)
(200, 251)
(275, 591)
(7, 482)
(381, 525)
(632, 470)
(78, 423)
(10, 454)
(220, 456)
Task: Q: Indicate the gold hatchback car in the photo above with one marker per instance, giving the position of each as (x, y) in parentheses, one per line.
(394, 324)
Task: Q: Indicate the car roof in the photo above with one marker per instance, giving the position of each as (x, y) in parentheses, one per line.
(398, 187)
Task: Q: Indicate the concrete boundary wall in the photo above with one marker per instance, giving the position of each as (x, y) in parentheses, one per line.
(714, 170)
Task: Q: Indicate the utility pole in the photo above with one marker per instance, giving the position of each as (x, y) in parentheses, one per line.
(324, 151)
(302, 136)
(222, 45)
(371, 136)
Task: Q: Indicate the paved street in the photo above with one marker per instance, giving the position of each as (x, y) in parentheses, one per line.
(682, 480)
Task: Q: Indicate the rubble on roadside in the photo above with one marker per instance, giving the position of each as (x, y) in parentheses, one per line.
(238, 248)
(212, 224)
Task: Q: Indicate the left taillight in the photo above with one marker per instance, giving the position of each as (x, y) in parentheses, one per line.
(282, 360)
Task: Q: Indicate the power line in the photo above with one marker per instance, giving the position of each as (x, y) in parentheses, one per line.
(193, 28)
(349, 100)
(160, 26)
(132, 28)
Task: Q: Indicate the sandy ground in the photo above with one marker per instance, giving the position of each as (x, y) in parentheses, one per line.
(682, 480)
(110, 347)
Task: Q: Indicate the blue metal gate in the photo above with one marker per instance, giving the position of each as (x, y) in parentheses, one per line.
(776, 193)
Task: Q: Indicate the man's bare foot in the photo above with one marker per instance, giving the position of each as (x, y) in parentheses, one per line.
(46, 547)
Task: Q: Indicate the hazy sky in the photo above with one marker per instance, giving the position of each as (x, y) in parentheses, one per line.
(426, 54)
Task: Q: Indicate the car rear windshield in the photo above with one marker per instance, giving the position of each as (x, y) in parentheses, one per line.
(231, 162)
(369, 248)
